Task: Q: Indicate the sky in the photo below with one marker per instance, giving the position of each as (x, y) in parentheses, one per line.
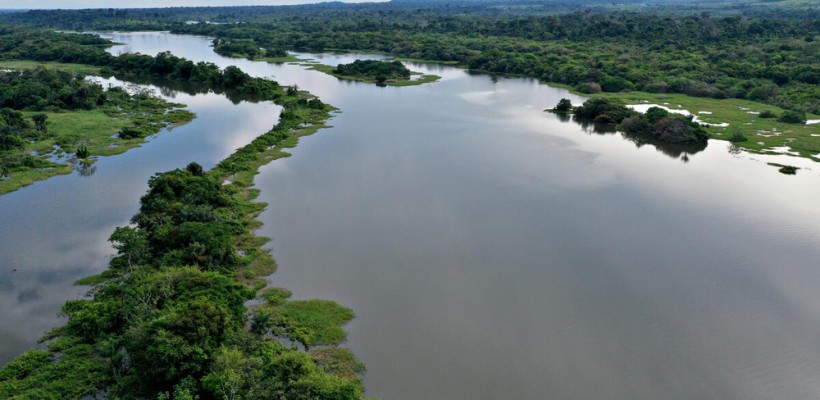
(143, 4)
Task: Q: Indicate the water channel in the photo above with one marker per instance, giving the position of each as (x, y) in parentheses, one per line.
(490, 250)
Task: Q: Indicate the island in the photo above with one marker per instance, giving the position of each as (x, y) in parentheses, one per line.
(382, 73)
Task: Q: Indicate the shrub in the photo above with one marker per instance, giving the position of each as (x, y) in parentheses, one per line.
(564, 105)
(792, 117)
(129, 133)
(82, 152)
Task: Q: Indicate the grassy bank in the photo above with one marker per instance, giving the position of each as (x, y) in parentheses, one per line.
(83, 69)
(96, 130)
(763, 135)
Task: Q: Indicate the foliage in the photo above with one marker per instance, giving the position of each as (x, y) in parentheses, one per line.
(82, 152)
(563, 106)
(604, 110)
(312, 322)
(379, 71)
(664, 126)
(792, 117)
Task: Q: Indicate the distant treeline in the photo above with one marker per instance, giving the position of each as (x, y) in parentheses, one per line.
(762, 59)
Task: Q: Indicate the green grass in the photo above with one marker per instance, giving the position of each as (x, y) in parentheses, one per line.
(423, 61)
(24, 178)
(276, 296)
(763, 134)
(390, 82)
(97, 130)
(313, 322)
(74, 68)
(279, 60)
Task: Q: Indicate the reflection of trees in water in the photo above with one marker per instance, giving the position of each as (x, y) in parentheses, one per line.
(674, 150)
(86, 169)
(171, 88)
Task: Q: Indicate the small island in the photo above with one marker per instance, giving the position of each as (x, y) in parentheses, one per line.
(382, 73)
(656, 123)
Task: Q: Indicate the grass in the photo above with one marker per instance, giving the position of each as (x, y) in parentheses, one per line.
(390, 82)
(313, 322)
(279, 60)
(423, 61)
(83, 69)
(20, 179)
(763, 134)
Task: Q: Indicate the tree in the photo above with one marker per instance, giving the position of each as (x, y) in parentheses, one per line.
(40, 123)
(131, 244)
(195, 169)
(564, 105)
(232, 373)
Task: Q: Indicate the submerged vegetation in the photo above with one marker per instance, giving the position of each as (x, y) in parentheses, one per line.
(168, 319)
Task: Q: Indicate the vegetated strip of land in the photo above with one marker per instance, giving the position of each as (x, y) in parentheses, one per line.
(168, 319)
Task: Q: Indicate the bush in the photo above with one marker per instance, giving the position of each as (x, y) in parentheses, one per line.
(793, 117)
(737, 137)
(129, 133)
(589, 87)
(767, 114)
(82, 152)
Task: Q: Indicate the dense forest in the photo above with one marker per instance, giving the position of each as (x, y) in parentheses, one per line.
(772, 60)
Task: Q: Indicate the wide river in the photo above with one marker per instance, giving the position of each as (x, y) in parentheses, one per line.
(490, 250)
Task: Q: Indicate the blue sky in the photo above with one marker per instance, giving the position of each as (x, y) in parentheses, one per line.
(141, 4)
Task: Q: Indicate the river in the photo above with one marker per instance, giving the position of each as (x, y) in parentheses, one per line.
(490, 250)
